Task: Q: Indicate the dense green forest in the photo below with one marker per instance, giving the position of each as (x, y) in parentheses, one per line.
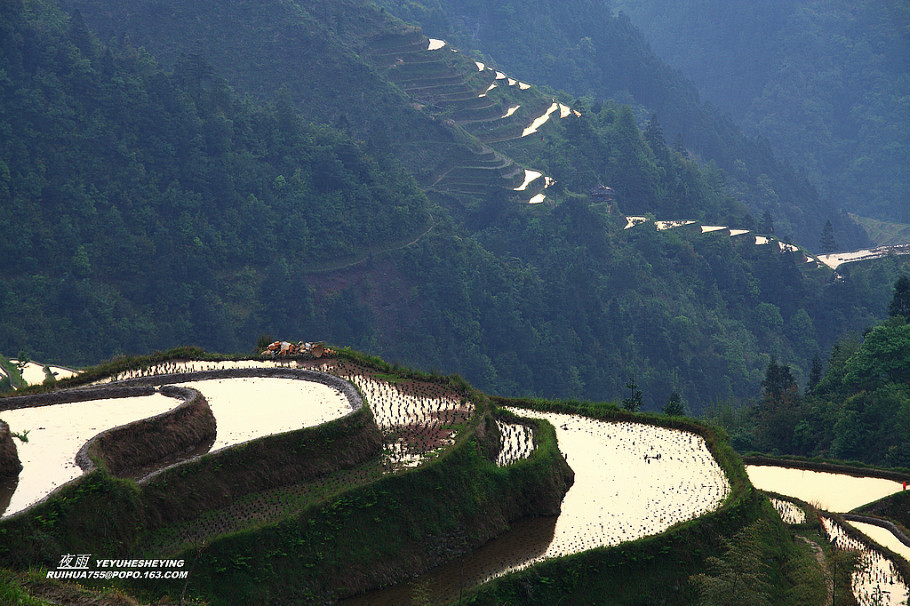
(826, 83)
(202, 201)
(856, 407)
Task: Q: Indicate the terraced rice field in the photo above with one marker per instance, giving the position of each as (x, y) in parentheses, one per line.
(789, 512)
(417, 418)
(631, 480)
(34, 374)
(55, 435)
(883, 537)
(252, 407)
(516, 442)
(828, 491)
(244, 409)
(877, 580)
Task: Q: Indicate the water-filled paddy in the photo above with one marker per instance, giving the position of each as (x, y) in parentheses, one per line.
(877, 580)
(244, 409)
(828, 491)
(252, 407)
(56, 433)
(540, 121)
(631, 480)
(789, 512)
(883, 537)
(516, 442)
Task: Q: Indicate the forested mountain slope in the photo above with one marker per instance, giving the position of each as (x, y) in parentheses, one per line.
(826, 82)
(580, 47)
(149, 206)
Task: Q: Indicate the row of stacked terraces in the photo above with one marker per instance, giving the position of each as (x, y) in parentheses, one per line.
(481, 105)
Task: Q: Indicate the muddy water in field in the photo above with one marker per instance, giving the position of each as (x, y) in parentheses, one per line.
(631, 480)
(830, 491)
(252, 407)
(55, 435)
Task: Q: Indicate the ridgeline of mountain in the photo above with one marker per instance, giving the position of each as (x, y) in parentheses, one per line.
(826, 83)
(580, 47)
(314, 170)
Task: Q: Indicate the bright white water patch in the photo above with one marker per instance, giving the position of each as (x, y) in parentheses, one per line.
(180, 366)
(537, 199)
(631, 480)
(435, 44)
(512, 81)
(523, 86)
(662, 225)
(540, 121)
(829, 491)
(33, 374)
(56, 433)
(835, 260)
(500, 76)
(760, 240)
(738, 232)
(530, 175)
(511, 111)
(577, 113)
(489, 88)
(517, 442)
(480, 66)
(876, 580)
(883, 537)
(789, 512)
(564, 111)
(633, 221)
(709, 228)
(253, 407)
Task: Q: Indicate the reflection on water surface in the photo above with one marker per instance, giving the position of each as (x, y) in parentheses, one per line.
(631, 480)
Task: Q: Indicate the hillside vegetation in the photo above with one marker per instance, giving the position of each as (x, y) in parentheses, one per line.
(195, 201)
(579, 46)
(825, 82)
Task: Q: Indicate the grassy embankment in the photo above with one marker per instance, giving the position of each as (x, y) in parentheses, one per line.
(657, 569)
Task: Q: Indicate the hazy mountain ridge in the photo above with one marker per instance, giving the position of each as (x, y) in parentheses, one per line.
(825, 82)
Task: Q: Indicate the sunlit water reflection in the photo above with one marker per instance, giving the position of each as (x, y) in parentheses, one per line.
(829, 491)
(56, 433)
(631, 480)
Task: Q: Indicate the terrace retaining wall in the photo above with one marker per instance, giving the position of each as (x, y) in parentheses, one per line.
(9, 456)
(154, 441)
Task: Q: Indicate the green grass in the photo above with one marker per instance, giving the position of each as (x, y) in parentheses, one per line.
(13, 594)
(884, 233)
